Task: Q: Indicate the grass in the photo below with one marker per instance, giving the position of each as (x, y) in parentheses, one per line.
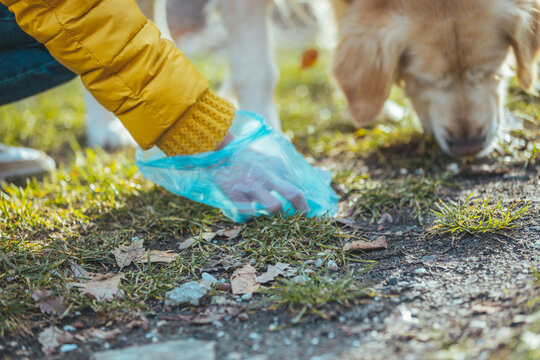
(96, 201)
(477, 217)
(418, 193)
(315, 294)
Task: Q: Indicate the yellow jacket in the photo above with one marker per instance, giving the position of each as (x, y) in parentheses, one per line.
(150, 85)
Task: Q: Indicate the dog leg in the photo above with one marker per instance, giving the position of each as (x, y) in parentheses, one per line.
(103, 129)
(254, 71)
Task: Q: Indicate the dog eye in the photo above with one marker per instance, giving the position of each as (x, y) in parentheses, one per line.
(474, 75)
(443, 82)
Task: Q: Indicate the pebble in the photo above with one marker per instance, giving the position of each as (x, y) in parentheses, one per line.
(332, 266)
(453, 168)
(189, 293)
(315, 341)
(318, 262)
(68, 347)
(392, 281)
(254, 336)
(220, 334)
(331, 335)
(207, 277)
(300, 279)
(247, 296)
(420, 271)
(69, 328)
(403, 283)
(430, 258)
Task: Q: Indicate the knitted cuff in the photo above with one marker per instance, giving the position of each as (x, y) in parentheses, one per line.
(202, 127)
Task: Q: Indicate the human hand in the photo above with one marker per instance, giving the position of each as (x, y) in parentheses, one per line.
(255, 171)
(258, 183)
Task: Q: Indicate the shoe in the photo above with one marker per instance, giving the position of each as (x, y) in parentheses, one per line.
(19, 163)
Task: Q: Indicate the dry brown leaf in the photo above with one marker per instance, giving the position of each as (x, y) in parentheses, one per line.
(52, 337)
(48, 304)
(126, 254)
(243, 280)
(379, 244)
(232, 233)
(273, 271)
(101, 287)
(77, 271)
(309, 58)
(158, 256)
(192, 240)
(101, 334)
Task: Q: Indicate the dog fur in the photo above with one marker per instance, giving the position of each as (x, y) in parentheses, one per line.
(450, 57)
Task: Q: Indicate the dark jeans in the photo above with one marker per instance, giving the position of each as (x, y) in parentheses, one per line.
(26, 67)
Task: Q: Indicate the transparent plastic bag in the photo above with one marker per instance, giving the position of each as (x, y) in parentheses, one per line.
(258, 172)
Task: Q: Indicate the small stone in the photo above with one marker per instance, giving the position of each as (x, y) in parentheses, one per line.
(403, 283)
(209, 278)
(331, 335)
(453, 168)
(254, 336)
(221, 334)
(318, 262)
(247, 296)
(392, 281)
(300, 279)
(189, 293)
(420, 271)
(195, 349)
(69, 328)
(429, 258)
(68, 347)
(332, 266)
(315, 341)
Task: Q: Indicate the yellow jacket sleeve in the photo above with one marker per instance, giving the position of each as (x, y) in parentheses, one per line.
(150, 85)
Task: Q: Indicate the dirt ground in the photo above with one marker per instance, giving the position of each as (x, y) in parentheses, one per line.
(435, 298)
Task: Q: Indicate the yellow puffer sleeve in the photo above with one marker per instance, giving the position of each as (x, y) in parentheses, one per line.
(149, 84)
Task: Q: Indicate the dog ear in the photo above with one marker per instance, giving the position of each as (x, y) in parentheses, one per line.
(366, 66)
(524, 34)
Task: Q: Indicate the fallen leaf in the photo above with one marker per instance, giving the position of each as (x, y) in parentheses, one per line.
(158, 256)
(347, 222)
(77, 271)
(52, 337)
(273, 271)
(309, 58)
(379, 244)
(126, 254)
(101, 334)
(385, 218)
(192, 240)
(53, 305)
(101, 287)
(232, 233)
(243, 280)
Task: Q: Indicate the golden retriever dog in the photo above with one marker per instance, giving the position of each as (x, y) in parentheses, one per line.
(449, 55)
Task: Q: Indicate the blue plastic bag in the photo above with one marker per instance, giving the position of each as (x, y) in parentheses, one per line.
(258, 172)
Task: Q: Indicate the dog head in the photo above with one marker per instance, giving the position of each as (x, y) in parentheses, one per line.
(449, 55)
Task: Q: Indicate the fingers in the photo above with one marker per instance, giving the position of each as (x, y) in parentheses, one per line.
(292, 193)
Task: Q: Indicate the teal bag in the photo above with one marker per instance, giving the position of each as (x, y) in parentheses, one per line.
(258, 173)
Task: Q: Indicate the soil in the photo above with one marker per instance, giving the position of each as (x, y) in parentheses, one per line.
(431, 294)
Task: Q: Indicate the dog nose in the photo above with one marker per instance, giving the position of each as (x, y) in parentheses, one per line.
(466, 147)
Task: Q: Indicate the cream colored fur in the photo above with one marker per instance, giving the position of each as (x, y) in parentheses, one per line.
(448, 54)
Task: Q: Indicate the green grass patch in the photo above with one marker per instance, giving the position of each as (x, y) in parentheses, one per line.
(477, 217)
(316, 293)
(374, 197)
